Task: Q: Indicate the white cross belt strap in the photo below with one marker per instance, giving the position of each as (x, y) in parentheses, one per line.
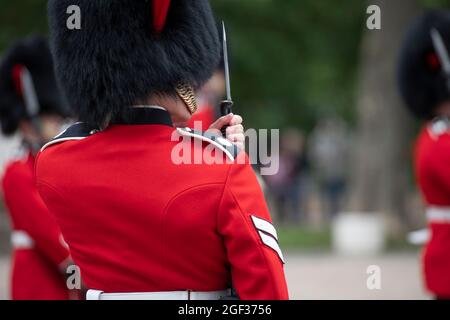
(438, 214)
(21, 240)
(168, 295)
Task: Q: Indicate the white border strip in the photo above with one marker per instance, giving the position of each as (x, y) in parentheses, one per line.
(203, 138)
(48, 144)
(143, 106)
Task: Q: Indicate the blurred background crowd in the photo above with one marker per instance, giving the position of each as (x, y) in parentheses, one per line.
(313, 70)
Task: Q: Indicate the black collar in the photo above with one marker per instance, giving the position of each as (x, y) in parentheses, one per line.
(144, 115)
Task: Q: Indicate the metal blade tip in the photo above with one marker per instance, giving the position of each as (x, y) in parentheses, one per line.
(224, 31)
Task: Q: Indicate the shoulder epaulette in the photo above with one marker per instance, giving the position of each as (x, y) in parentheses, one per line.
(439, 126)
(77, 131)
(229, 148)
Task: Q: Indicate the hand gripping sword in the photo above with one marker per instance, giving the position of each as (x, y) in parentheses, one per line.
(226, 106)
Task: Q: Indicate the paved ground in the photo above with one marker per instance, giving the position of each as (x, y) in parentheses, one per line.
(334, 277)
(324, 276)
(4, 274)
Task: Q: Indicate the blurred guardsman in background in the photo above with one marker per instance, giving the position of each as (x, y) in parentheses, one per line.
(140, 223)
(209, 97)
(424, 78)
(31, 105)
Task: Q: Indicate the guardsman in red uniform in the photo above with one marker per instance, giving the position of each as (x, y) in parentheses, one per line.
(30, 104)
(424, 75)
(149, 210)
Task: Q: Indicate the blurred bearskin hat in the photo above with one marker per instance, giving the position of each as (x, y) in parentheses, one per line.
(32, 53)
(422, 80)
(129, 50)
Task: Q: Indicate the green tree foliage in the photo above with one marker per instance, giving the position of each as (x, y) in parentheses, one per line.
(292, 61)
(435, 3)
(21, 18)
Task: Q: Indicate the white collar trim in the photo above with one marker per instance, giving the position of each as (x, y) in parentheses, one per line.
(144, 106)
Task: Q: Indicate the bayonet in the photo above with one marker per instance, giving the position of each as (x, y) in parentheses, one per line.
(226, 105)
(442, 53)
(30, 98)
(29, 93)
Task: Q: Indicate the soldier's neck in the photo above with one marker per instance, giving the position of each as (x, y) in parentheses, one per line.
(443, 110)
(176, 108)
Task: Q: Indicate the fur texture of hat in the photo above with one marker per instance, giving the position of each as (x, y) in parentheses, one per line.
(117, 59)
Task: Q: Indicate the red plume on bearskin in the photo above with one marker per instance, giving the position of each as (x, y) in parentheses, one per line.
(160, 10)
(16, 76)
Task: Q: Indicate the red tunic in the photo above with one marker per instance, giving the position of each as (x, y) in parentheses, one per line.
(35, 270)
(137, 222)
(432, 163)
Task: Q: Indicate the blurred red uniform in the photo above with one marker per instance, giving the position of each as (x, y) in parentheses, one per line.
(433, 173)
(39, 250)
(146, 224)
(204, 116)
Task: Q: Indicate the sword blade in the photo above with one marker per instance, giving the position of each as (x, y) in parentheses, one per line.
(441, 50)
(225, 63)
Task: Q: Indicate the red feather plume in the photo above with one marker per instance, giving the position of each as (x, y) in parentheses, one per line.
(16, 76)
(433, 61)
(160, 10)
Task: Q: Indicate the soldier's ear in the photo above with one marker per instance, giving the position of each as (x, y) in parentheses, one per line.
(160, 10)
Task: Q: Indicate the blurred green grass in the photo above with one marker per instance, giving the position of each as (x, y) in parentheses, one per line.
(304, 238)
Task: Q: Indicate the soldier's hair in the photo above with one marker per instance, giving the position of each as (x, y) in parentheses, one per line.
(116, 59)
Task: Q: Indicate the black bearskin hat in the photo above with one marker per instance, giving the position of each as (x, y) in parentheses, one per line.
(422, 80)
(128, 50)
(32, 53)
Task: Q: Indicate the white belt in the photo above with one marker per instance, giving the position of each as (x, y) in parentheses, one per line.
(21, 240)
(438, 214)
(168, 295)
